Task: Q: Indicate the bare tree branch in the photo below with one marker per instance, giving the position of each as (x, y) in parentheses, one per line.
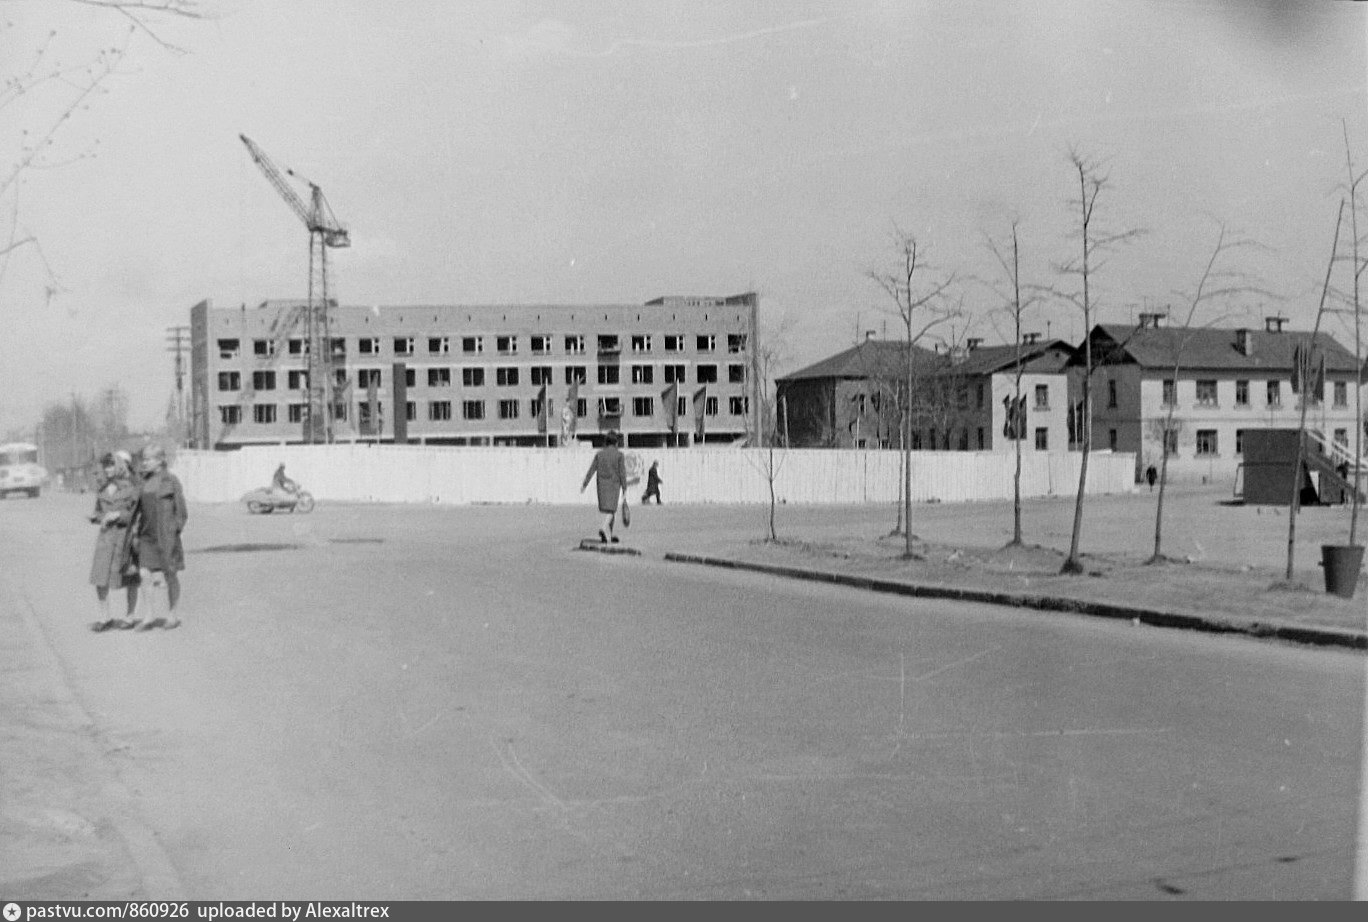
(140, 12)
(76, 86)
(922, 306)
(1215, 286)
(1094, 242)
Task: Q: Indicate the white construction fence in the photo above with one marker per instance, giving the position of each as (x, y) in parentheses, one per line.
(457, 476)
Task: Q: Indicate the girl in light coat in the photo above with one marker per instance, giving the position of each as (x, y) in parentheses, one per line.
(115, 505)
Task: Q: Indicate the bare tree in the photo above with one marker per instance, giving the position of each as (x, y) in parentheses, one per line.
(769, 417)
(1359, 264)
(1167, 430)
(894, 407)
(1017, 299)
(62, 91)
(1095, 243)
(1299, 376)
(111, 415)
(921, 306)
(887, 388)
(1216, 286)
(68, 436)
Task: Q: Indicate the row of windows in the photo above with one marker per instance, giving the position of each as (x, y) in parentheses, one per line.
(1207, 443)
(509, 376)
(1206, 395)
(538, 344)
(949, 440)
(865, 401)
(441, 410)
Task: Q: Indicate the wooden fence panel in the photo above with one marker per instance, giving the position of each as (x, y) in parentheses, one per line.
(458, 476)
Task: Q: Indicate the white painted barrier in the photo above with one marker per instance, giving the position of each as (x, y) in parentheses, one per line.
(458, 476)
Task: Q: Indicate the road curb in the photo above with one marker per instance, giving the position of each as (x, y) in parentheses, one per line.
(1296, 633)
(593, 544)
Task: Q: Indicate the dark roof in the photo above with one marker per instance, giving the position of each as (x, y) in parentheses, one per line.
(1049, 356)
(881, 357)
(871, 358)
(703, 300)
(1216, 348)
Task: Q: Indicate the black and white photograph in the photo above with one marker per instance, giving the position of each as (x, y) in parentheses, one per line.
(627, 451)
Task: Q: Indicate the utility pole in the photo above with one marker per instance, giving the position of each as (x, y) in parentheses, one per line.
(177, 341)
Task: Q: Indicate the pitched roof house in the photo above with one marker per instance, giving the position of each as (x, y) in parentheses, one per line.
(1217, 383)
(960, 400)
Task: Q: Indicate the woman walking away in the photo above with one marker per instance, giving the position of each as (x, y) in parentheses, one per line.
(161, 519)
(115, 505)
(610, 469)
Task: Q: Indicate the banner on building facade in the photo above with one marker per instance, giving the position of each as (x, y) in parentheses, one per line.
(399, 384)
(569, 413)
(671, 400)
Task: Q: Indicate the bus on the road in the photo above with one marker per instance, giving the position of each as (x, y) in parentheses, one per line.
(19, 470)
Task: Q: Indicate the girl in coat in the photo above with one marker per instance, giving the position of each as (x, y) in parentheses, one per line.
(161, 556)
(115, 504)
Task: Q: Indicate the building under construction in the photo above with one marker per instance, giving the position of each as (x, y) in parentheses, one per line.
(673, 371)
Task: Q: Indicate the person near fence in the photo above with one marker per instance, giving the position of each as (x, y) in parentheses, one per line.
(653, 483)
(161, 556)
(609, 470)
(116, 503)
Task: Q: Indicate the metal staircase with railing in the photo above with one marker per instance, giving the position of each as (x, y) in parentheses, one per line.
(1336, 463)
(1329, 470)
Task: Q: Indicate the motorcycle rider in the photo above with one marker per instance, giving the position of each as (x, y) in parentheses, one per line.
(283, 483)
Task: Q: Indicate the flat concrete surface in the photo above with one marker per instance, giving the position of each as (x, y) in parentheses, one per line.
(407, 703)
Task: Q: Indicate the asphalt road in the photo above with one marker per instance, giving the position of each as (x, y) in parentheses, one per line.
(412, 703)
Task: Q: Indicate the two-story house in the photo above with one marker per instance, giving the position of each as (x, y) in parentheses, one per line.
(1194, 392)
(964, 399)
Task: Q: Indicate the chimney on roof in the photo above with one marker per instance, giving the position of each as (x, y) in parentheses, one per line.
(1244, 341)
(974, 342)
(1151, 320)
(1274, 324)
(870, 334)
(1030, 339)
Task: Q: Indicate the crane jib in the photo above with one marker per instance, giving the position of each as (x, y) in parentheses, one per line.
(318, 217)
(325, 232)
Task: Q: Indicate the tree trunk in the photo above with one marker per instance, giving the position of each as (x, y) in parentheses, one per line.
(907, 466)
(1073, 564)
(1305, 400)
(1163, 481)
(774, 535)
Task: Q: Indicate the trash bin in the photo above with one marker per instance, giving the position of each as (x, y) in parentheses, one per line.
(1341, 563)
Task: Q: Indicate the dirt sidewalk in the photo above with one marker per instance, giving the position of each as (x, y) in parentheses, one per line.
(1223, 567)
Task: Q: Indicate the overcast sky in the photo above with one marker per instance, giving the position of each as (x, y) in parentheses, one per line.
(617, 151)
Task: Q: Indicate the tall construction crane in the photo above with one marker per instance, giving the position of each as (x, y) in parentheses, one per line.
(325, 232)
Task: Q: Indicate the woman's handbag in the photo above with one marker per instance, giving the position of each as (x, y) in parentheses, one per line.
(626, 513)
(130, 554)
(130, 545)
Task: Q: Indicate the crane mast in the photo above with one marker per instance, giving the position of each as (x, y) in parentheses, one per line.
(325, 232)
